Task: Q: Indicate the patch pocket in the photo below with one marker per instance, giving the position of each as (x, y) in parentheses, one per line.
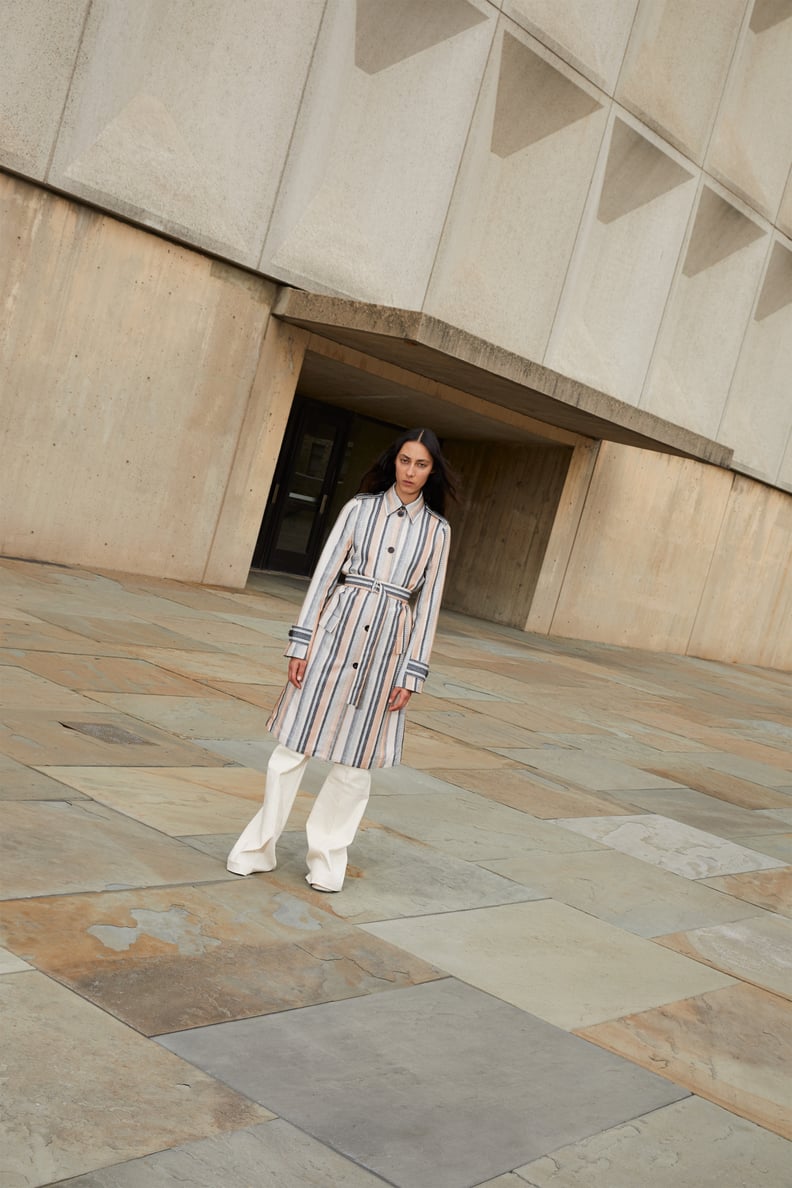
(330, 616)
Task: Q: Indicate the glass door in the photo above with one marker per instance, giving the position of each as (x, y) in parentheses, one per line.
(295, 522)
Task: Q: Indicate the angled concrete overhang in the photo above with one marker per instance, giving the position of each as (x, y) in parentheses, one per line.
(429, 347)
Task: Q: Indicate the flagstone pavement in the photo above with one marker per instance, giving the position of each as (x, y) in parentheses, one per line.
(562, 957)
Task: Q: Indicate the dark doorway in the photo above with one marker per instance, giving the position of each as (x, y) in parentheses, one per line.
(325, 452)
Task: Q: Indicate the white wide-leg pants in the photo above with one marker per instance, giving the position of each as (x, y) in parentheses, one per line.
(330, 829)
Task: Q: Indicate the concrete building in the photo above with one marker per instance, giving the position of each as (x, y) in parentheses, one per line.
(240, 240)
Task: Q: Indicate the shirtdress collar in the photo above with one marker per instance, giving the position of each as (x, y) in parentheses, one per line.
(393, 503)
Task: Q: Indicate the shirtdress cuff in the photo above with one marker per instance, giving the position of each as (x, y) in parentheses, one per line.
(299, 642)
(412, 677)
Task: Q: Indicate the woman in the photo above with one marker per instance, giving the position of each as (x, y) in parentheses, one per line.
(358, 652)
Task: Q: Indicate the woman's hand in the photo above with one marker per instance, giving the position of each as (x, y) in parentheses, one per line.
(399, 698)
(296, 672)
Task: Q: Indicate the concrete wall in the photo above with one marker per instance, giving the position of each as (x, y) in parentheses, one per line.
(608, 193)
(130, 390)
(674, 555)
(501, 527)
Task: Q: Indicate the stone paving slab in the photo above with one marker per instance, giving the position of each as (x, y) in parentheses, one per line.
(107, 674)
(527, 954)
(532, 794)
(716, 1045)
(96, 1092)
(776, 845)
(46, 738)
(468, 827)
(592, 773)
(708, 813)
(689, 1144)
(439, 1085)
(165, 959)
(18, 782)
(730, 788)
(624, 891)
(771, 889)
(270, 1155)
(58, 848)
(189, 717)
(672, 846)
(173, 800)
(756, 950)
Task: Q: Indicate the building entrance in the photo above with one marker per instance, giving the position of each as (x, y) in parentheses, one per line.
(325, 452)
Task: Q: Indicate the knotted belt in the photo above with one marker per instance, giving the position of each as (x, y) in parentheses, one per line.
(384, 591)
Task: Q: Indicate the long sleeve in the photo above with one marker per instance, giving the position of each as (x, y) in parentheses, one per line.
(414, 668)
(328, 567)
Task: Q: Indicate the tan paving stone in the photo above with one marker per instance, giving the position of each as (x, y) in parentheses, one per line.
(22, 690)
(731, 1046)
(176, 801)
(474, 729)
(426, 749)
(165, 959)
(108, 674)
(102, 1094)
(756, 950)
(263, 696)
(743, 793)
(45, 738)
(18, 782)
(623, 891)
(213, 715)
(49, 848)
(527, 792)
(470, 827)
(531, 954)
(221, 666)
(771, 889)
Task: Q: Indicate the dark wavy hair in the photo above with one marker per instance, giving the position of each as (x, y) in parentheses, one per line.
(441, 484)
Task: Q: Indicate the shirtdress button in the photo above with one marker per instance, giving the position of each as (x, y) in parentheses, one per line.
(367, 626)
(391, 549)
(355, 664)
(400, 512)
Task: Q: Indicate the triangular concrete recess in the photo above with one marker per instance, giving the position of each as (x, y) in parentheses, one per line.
(389, 31)
(637, 173)
(534, 100)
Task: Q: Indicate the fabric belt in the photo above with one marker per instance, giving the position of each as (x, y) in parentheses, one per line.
(367, 583)
(384, 591)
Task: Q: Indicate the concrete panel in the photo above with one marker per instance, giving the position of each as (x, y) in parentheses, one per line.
(125, 369)
(751, 147)
(562, 537)
(623, 264)
(758, 415)
(643, 550)
(676, 64)
(377, 146)
(180, 114)
(746, 608)
(593, 41)
(517, 205)
(515, 491)
(260, 439)
(705, 319)
(38, 48)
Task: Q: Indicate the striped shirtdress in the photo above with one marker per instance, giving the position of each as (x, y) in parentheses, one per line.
(366, 627)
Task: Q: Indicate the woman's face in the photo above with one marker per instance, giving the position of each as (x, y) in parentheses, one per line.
(413, 467)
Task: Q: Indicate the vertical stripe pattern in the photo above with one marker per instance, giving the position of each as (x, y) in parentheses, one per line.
(341, 713)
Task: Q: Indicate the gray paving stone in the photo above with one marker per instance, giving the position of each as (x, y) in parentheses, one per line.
(437, 1086)
(272, 1155)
